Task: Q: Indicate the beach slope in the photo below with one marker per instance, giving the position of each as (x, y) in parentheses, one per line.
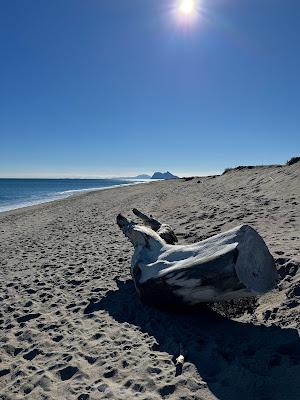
(72, 326)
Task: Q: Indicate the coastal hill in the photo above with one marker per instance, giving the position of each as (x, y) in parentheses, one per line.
(156, 175)
(163, 175)
(141, 176)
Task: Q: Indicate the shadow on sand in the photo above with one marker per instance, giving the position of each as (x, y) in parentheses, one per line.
(237, 360)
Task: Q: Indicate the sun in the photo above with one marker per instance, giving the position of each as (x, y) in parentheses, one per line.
(187, 12)
(187, 7)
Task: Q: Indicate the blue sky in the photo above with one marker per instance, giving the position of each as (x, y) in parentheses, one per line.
(108, 87)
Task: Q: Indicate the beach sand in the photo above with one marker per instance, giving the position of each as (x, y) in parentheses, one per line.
(72, 326)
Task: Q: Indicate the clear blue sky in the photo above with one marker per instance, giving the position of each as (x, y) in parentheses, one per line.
(106, 87)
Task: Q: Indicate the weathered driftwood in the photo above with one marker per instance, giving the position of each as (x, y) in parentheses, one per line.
(164, 230)
(233, 264)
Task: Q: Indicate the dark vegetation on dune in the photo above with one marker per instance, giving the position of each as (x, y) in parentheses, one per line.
(242, 167)
(293, 160)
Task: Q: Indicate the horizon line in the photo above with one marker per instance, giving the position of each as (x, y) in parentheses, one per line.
(129, 176)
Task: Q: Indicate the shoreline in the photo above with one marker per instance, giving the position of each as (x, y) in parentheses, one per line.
(64, 195)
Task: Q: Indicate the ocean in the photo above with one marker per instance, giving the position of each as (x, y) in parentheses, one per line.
(17, 193)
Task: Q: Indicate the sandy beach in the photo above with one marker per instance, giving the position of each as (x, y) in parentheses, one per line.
(72, 325)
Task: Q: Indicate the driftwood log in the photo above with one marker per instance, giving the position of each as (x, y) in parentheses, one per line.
(230, 265)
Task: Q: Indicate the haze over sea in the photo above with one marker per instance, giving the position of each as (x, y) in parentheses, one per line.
(17, 193)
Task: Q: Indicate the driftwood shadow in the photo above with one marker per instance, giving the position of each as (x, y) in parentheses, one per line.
(237, 360)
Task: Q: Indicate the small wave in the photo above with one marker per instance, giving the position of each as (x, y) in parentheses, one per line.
(59, 196)
(15, 206)
(74, 191)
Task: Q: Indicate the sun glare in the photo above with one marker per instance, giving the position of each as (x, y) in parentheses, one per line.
(187, 7)
(187, 11)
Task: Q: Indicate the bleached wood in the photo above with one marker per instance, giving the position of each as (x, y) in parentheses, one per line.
(164, 230)
(233, 264)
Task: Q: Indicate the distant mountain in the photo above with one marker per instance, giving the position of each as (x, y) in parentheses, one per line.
(163, 175)
(156, 175)
(142, 176)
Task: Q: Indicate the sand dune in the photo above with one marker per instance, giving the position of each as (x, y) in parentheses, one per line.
(72, 326)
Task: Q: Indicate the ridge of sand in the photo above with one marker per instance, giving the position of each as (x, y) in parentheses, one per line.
(72, 326)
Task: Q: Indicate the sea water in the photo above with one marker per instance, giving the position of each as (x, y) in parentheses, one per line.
(17, 193)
